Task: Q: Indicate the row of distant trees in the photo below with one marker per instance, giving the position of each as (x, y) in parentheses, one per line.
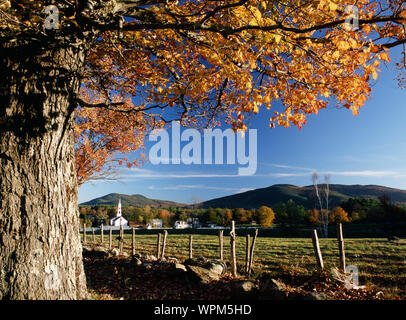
(353, 210)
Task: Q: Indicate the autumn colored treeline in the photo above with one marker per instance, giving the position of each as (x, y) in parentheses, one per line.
(353, 210)
(94, 215)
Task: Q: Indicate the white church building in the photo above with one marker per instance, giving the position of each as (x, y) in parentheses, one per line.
(119, 220)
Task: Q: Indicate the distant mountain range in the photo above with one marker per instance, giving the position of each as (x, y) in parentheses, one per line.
(305, 196)
(269, 196)
(136, 200)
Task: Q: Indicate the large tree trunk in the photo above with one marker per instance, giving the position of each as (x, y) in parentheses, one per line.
(40, 249)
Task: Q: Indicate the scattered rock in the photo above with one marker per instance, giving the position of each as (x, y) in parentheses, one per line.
(216, 266)
(124, 254)
(150, 257)
(197, 261)
(172, 260)
(100, 249)
(100, 252)
(201, 270)
(115, 252)
(273, 290)
(202, 275)
(244, 290)
(180, 267)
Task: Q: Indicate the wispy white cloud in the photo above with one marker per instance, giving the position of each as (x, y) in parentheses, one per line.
(298, 172)
(198, 187)
(178, 176)
(136, 174)
(287, 175)
(284, 166)
(364, 173)
(139, 173)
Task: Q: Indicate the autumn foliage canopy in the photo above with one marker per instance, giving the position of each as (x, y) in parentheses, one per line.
(208, 63)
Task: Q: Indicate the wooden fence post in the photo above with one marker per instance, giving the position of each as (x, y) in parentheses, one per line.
(84, 233)
(93, 236)
(317, 251)
(101, 234)
(247, 252)
(221, 243)
(133, 241)
(164, 245)
(341, 245)
(110, 238)
(252, 251)
(121, 239)
(158, 246)
(190, 246)
(233, 252)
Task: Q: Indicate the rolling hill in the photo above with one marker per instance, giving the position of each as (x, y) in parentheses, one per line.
(305, 196)
(268, 196)
(136, 200)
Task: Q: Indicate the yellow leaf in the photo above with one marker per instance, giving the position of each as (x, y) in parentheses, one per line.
(374, 74)
(343, 45)
(367, 29)
(333, 6)
(267, 98)
(354, 110)
(384, 56)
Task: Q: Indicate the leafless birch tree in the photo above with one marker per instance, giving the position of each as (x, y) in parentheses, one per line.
(322, 194)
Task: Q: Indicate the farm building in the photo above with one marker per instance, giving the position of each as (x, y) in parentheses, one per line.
(181, 225)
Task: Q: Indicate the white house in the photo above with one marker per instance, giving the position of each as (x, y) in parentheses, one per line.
(119, 220)
(156, 223)
(181, 225)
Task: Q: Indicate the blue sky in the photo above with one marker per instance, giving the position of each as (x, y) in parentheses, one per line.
(367, 149)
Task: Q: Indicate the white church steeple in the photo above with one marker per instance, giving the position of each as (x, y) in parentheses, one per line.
(119, 208)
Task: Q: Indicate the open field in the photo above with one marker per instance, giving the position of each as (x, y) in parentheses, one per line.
(381, 263)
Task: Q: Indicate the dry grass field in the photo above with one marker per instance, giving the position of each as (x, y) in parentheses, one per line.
(381, 263)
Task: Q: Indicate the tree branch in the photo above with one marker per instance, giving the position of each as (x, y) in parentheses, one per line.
(85, 104)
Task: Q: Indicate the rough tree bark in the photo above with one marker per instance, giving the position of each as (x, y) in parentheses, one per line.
(40, 249)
